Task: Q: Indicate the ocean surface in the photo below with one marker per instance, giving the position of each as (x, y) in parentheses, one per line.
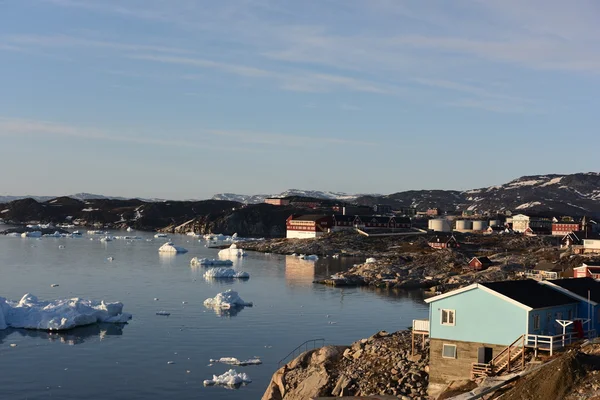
(131, 361)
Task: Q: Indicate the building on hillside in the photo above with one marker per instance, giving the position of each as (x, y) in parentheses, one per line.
(572, 239)
(306, 203)
(443, 242)
(545, 270)
(382, 209)
(587, 270)
(277, 201)
(375, 221)
(406, 211)
(308, 226)
(561, 228)
(434, 212)
(497, 230)
(471, 329)
(537, 231)
(480, 263)
(343, 222)
(521, 222)
(587, 292)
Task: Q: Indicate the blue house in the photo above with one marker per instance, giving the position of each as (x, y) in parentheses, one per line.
(587, 292)
(483, 328)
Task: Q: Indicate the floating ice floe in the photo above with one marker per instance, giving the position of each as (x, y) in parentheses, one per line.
(194, 262)
(227, 273)
(34, 234)
(31, 313)
(235, 361)
(127, 237)
(62, 246)
(97, 233)
(165, 313)
(13, 234)
(311, 257)
(106, 239)
(230, 378)
(56, 234)
(169, 247)
(228, 299)
(54, 285)
(193, 234)
(370, 260)
(161, 235)
(232, 251)
(110, 258)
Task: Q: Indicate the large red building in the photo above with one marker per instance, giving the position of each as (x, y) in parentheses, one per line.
(562, 228)
(308, 226)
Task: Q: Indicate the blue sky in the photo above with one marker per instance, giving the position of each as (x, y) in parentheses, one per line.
(187, 98)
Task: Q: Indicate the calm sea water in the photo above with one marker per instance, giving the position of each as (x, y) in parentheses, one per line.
(110, 362)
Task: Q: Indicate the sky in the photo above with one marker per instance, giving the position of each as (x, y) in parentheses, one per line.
(183, 99)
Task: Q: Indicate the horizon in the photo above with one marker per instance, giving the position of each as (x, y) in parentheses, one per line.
(276, 193)
(139, 98)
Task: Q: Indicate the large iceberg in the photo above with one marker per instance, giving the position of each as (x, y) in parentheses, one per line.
(228, 299)
(228, 273)
(232, 251)
(194, 262)
(31, 313)
(169, 247)
(230, 378)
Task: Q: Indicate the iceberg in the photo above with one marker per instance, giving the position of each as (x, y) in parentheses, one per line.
(161, 235)
(97, 233)
(312, 257)
(169, 247)
(194, 262)
(34, 234)
(230, 378)
(31, 313)
(227, 273)
(56, 234)
(235, 361)
(232, 251)
(228, 299)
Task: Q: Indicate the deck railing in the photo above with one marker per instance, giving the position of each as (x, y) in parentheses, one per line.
(555, 342)
(309, 344)
(420, 325)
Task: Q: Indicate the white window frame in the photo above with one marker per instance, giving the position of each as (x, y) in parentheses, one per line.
(444, 348)
(447, 310)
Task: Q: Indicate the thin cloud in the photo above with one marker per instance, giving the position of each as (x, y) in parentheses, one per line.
(17, 127)
(285, 140)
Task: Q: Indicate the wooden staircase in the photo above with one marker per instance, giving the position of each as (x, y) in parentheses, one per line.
(511, 359)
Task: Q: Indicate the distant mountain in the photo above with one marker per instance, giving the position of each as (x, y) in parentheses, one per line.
(575, 194)
(315, 194)
(77, 196)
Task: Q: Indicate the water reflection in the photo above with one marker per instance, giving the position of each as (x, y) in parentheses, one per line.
(304, 272)
(71, 337)
(227, 312)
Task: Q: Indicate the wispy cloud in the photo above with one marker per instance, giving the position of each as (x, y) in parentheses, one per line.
(72, 41)
(293, 81)
(273, 139)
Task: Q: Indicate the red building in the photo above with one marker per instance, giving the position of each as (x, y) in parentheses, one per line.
(479, 263)
(277, 202)
(308, 226)
(591, 271)
(561, 228)
(434, 212)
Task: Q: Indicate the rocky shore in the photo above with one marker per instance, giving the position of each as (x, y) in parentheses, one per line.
(379, 365)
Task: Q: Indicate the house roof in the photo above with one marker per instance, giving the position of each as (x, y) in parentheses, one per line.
(346, 218)
(483, 260)
(378, 219)
(530, 293)
(547, 266)
(580, 287)
(442, 239)
(308, 217)
(402, 220)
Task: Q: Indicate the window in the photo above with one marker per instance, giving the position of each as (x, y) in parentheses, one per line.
(558, 315)
(448, 351)
(549, 317)
(536, 322)
(448, 317)
(570, 315)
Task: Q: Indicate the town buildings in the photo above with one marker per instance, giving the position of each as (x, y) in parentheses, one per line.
(307, 226)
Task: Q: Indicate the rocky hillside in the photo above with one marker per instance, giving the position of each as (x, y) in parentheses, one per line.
(379, 365)
(259, 198)
(576, 194)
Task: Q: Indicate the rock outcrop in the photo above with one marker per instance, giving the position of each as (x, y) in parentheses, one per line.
(379, 365)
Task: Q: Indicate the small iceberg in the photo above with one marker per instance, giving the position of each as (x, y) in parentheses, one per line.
(106, 239)
(228, 299)
(161, 235)
(193, 234)
(97, 232)
(232, 251)
(230, 379)
(312, 257)
(34, 234)
(194, 262)
(235, 361)
(31, 313)
(169, 247)
(225, 273)
(129, 229)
